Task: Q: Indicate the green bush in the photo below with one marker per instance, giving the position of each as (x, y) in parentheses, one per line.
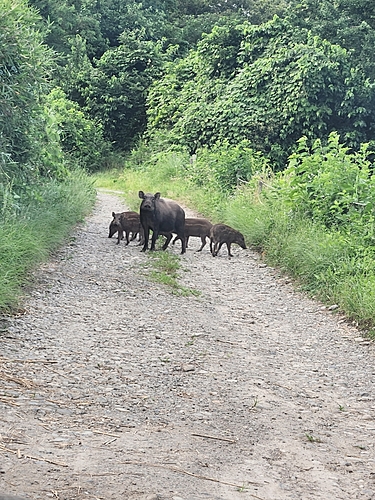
(331, 185)
(81, 137)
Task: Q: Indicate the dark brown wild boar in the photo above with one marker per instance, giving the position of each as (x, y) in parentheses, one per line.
(198, 227)
(128, 222)
(220, 234)
(162, 217)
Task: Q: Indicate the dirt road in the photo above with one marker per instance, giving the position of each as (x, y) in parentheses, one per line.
(111, 387)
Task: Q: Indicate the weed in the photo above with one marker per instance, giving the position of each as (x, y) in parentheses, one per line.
(254, 403)
(242, 489)
(312, 438)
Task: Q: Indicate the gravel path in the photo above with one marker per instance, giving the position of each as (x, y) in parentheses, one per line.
(111, 387)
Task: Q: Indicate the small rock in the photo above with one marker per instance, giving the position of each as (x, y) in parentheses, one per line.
(333, 307)
(187, 368)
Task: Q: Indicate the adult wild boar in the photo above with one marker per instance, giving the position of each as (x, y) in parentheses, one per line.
(162, 217)
(220, 234)
(128, 222)
(198, 227)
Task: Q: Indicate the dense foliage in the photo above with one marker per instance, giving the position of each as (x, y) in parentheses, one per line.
(24, 66)
(269, 84)
(348, 23)
(332, 186)
(42, 191)
(218, 71)
(110, 54)
(42, 134)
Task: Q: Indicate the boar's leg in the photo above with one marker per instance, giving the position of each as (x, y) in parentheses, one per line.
(169, 237)
(141, 237)
(120, 236)
(182, 237)
(203, 238)
(228, 247)
(155, 235)
(127, 237)
(178, 238)
(214, 248)
(146, 236)
(217, 248)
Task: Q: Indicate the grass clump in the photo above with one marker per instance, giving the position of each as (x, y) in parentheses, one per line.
(164, 269)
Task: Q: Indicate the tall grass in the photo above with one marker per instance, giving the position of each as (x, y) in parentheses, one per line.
(38, 228)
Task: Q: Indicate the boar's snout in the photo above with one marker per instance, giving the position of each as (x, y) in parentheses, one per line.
(115, 224)
(146, 205)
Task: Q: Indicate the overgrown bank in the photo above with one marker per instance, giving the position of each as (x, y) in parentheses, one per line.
(29, 236)
(315, 220)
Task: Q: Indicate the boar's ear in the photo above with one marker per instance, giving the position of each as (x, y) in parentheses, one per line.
(157, 196)
(141, 194)
(113, 214)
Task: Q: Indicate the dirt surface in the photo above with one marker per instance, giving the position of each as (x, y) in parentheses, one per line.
(111, 387)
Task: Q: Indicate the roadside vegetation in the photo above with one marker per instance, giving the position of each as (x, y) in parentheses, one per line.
(259, 114)
(29, 236)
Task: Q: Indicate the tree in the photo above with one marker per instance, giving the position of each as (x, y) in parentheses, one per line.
(116, 92)
(67, 18)
(349, 23)
(25, 66)
(270, 84)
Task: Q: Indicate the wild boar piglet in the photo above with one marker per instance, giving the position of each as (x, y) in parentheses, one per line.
(220, 234)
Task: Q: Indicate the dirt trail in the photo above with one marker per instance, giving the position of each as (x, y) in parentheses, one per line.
(111, 387)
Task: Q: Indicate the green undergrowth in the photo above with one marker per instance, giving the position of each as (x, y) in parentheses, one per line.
(29, 236)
